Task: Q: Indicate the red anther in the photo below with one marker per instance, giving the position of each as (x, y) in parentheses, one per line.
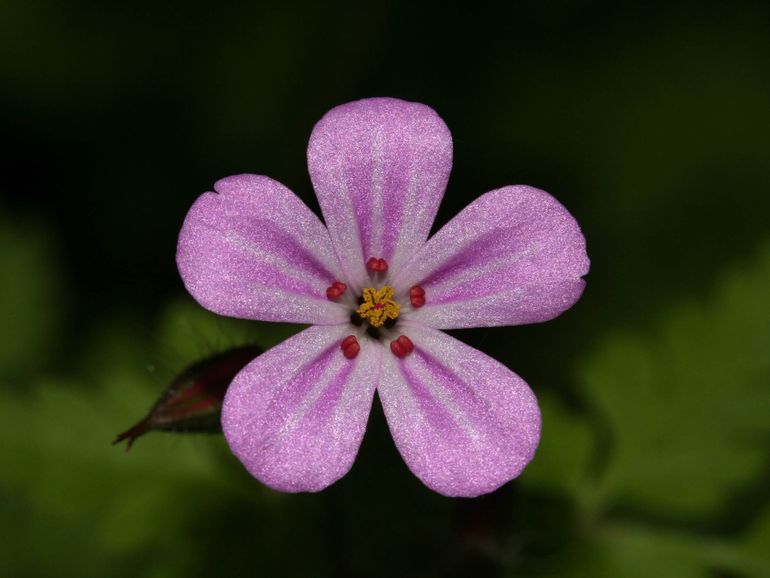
(350, 339)
(377, 265)
(350, 346)
(335, 290)
(406, 342)
(417, 296)
(402, 346)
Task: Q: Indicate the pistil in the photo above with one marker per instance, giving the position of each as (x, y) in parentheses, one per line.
(378, 306)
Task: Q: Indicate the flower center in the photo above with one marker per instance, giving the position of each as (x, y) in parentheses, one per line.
(378, 306)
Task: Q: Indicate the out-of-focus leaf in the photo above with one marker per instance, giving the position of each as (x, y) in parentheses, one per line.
(30, 298)
(684, 411)
(687, 404)
(80, 507)
(189, 332)
(757, 540)
(639, 553)
(633, 551)
(561, 462)
(75, 498)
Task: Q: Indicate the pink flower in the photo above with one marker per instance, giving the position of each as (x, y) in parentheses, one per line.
(377, 293)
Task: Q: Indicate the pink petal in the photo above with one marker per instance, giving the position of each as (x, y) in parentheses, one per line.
(464, 423)
(379, 167)
(254, 250)
(296, 415)
(513, 256)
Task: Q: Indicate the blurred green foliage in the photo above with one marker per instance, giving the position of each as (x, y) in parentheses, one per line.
(679, 438)
(688, 405)
(649, 122)
(31, 297)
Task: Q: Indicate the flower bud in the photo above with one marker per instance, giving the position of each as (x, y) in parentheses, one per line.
(192, 403)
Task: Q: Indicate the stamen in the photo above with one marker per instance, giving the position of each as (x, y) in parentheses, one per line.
(377, 265)
(335, 290)
(378, 306)
(350, 346)
(417, 296)
(402, 346)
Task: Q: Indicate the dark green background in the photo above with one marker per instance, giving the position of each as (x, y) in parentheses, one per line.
(650, 122)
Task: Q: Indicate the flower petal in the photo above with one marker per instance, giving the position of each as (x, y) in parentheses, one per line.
(254, 250)
(463, 422)
(379, 167)
(513, 256)
(296, 415)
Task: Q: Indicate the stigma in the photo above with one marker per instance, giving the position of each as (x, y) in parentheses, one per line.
(378, 306)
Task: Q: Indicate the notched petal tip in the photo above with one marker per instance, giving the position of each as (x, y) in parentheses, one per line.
(254, 250)
(513, 256)
(379, 167)
(248, 183)
(378, 106)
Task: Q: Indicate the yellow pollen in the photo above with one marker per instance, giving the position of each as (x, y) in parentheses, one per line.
(378, 306)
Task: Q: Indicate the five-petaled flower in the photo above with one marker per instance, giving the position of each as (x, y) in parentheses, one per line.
(377, 293)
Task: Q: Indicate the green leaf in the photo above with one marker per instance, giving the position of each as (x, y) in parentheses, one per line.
(757, 539)
(190, 332)
(81, 507)
(75, 497)
(30, 298)
(686, 404)
(635, 551)
(562, 460)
